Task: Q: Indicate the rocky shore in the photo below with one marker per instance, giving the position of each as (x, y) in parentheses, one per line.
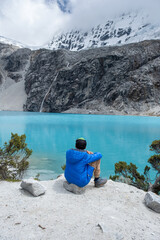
(107, 111)
(113, 212)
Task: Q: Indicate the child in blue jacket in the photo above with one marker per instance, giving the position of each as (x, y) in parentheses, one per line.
(82, 164)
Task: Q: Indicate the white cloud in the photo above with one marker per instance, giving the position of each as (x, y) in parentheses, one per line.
(33, 22)
(86, 13)
(30, 21)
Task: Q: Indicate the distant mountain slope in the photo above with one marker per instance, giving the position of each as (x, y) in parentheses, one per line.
(125, 79)
(127, 28)
(14, 62)
(11, 42)
(118, 79)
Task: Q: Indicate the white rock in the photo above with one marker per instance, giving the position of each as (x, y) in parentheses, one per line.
(33, 186)
(152, 201)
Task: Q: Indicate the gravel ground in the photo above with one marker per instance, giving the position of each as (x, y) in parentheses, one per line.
(113, 212)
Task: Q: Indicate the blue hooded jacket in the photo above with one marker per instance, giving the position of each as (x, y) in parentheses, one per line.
(78, 171)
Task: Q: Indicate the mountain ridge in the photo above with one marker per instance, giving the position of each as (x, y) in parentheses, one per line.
(126, 28)
(108, 80)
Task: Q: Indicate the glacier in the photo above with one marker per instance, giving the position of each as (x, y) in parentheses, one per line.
(126, 28)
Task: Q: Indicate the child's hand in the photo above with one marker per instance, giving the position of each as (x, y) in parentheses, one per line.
(89, 152)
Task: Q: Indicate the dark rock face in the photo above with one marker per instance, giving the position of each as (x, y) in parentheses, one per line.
(122, 78)
(121, 32)
(1, 78)
(125, 78)
(17, 60)
(44, 66)
(16, 63)
(105, 36)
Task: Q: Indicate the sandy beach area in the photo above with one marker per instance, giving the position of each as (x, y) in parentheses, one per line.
(113, 212)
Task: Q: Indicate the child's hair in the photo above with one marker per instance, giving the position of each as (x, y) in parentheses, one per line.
(81, 143)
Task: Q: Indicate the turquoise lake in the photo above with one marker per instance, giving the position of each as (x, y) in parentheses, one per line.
(118, 138)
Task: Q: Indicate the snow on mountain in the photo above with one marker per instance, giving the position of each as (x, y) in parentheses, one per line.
(18, 44)
(127, 28)
(11, 42)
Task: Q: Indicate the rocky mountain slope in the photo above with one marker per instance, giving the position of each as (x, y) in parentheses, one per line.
(121, 79)
(14, 62)
(126, 28)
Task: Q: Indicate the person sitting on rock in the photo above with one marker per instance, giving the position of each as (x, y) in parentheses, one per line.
(82, 164)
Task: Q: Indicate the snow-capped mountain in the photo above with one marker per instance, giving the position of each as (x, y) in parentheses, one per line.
(127, 28)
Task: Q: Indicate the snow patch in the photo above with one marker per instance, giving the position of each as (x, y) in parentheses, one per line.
(13, 97)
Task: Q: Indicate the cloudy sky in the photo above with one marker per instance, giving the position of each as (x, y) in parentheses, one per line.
(34, 22)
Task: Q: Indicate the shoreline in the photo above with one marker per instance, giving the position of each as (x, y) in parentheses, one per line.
(91, 112)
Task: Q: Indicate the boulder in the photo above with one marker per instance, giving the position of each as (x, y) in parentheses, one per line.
(152, 201)
(33, 187)
(73, 188)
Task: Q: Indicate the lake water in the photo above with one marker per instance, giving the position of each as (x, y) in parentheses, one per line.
(118, 138)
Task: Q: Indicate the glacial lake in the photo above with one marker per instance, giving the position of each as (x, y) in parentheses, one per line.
(118, 138)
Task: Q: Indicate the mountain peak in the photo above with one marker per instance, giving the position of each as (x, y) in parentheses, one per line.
(126, 28)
